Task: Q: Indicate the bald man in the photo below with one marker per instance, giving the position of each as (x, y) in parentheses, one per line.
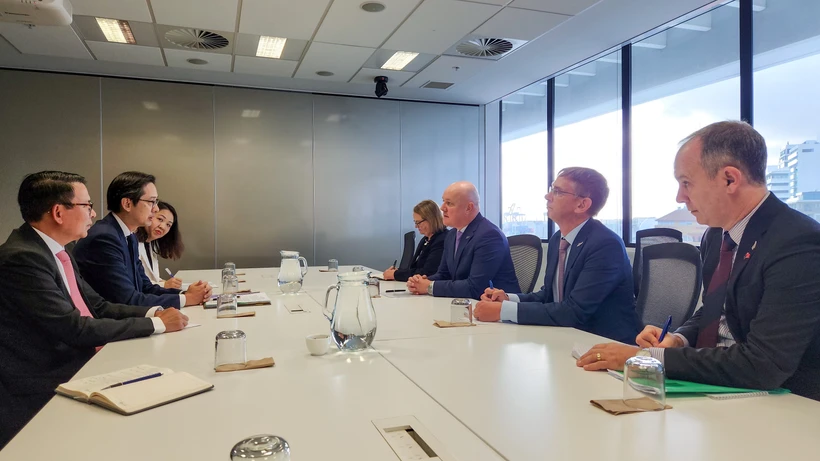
(476, 252)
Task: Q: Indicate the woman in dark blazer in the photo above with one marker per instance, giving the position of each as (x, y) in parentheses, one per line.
(430, 224)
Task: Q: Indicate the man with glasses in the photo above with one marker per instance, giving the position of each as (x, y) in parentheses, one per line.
(588, 284)
(109, 257)
(51, 321)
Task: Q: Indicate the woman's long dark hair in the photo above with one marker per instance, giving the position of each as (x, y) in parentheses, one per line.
(169, 246)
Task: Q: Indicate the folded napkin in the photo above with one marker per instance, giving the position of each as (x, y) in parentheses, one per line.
(446, 324)
(249, 365)
(622, 407)
(237, 314)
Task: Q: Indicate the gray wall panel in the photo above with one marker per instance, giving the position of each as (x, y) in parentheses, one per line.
(48, 122)
(264, 170)
(357, 174)
(439, 146)
(174, 142)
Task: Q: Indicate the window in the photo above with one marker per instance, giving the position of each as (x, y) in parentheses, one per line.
(588, 129)
(683, 79)
(524, 161)
(786, 66)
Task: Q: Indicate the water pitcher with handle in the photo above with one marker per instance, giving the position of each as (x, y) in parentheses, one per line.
(352, 317)
(291, 271)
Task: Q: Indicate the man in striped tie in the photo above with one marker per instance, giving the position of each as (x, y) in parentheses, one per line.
(759, 326)
(51, 321)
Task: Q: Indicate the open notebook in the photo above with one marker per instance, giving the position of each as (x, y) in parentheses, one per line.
(135, 397)
(248, 299)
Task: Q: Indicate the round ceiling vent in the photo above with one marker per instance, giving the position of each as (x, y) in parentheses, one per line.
(196, 39)
(483, 47)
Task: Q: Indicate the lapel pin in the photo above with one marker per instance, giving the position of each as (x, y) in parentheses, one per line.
(579, 244)
(748, 255)
(754, 245)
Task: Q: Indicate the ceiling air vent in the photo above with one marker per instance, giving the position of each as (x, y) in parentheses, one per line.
(492, 48)
(196, 39)
(437, 85)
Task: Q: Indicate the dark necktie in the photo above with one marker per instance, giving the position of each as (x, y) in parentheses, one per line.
(148, 254)
(458, 239)
(716, 295)
(562, 259)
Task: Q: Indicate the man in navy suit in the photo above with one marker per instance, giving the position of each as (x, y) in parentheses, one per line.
(759, 326)
(588, 281)
(476, 252)
(108, 257)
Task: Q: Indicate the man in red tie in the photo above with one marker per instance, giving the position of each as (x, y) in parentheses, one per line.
(51, 321)
(759, 326)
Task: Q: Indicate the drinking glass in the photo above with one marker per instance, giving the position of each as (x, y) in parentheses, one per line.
(226, 304)
(644, 376)
(262, 447)
(230, 348)
(230, 284)
(461, 311)
(333, 265)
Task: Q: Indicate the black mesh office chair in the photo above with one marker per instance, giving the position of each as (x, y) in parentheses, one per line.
(645, 238)
(409, 250)
(526, 251)
(671, 284)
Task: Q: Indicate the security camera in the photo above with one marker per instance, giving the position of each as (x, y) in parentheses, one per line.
(381, 86)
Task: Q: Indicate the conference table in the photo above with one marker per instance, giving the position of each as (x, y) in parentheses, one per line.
(487, 392)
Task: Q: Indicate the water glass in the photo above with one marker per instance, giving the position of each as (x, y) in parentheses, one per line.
(230, 348)
(461, 311)
(262, 447)
(358, 268)
(226, 304)
(230, 284)
(333, 265)
(644, 376)
(231, 266)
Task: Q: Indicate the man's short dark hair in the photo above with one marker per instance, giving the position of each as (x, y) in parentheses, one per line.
(588, 183)
(40, 191)
(128, 185)
(732, 143)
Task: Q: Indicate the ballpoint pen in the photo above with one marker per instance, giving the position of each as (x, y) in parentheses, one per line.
(491, 285)
(169, 272)
(395, 262)
(665, 329)
(155, 375)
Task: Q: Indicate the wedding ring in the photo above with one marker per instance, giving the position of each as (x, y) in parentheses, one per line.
(598, 356)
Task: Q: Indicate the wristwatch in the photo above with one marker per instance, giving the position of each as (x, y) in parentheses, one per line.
(430, 288)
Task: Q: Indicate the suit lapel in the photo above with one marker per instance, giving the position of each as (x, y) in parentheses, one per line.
(577, 246)
(552, 263)
(30, 234)
(466, 237)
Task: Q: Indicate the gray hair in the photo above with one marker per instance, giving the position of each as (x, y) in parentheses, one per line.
(732, 143)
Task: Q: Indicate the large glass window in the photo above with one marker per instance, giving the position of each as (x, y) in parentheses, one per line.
(588, 129)
(786, 95)
(524, 161)
(683, 79)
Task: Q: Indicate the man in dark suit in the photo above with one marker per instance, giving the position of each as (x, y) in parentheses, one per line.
(109, 257)
(588, 280)
(50, 319)
(476, 252)
(759, 326)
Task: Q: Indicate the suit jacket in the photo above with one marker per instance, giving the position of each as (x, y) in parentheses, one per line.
(483, 256)
(772, 308)
(598, 290)
(44, 340)
(426, 258)
(114, 271)
(151, 268)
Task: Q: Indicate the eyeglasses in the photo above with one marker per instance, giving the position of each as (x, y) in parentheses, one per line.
(88, 204)
(419, 222)
(558, 192)
(152, 202)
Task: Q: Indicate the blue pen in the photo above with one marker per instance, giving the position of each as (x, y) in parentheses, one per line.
(135, 380)
(665, 329)
(491, 285)
(169, 272)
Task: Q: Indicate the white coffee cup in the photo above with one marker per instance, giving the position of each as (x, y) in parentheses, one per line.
(317, 344)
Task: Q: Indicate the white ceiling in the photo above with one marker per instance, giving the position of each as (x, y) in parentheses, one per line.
(343, 39)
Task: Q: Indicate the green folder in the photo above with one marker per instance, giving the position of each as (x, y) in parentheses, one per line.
(676, 386)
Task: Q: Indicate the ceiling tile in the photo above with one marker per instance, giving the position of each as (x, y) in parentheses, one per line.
(131, 10)
(51, 41)
(264, 66)
(344, 61)
(395, 78)
(282, 18)
(178, 58)
(571, 7)
(371, 29)
(380, 57)
(203, 14)
(437, 24)
(119, 52)
(444, 69)
(246, 45)
(88, 29)
(520, 24)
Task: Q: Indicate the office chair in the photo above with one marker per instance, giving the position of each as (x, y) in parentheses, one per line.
(526, 252)
(645, 238)
(671, 284)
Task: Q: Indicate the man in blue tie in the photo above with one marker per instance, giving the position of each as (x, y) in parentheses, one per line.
(476, 252)
(588, 282)
(759, 326)
(108, 257)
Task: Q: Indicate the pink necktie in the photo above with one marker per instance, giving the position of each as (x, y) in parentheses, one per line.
(562, 258)
(73, 289)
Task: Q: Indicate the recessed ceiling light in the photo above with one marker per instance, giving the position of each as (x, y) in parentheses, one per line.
(150, 105)
(324, 73)
(197, 61)
(250, 113)
(270, 47)
(116, 31)
(399, 60)
(372, 7)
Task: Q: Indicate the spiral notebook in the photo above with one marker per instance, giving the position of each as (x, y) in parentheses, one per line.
(677, 386)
